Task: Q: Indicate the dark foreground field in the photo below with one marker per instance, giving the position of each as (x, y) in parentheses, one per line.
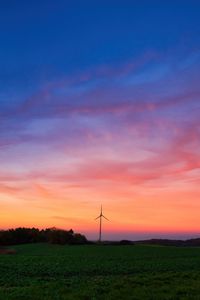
(42, 271)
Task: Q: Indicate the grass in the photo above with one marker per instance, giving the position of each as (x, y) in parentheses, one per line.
(42, 271)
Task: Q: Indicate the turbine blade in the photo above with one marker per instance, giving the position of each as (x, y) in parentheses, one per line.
(105, 218)
(98, 217)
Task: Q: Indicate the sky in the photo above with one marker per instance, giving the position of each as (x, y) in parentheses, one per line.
(100, 104)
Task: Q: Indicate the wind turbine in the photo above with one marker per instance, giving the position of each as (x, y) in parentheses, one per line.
(100, 222)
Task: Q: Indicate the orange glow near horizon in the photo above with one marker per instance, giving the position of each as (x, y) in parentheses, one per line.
(130, 210)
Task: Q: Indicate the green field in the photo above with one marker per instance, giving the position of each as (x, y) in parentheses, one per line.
(42, 271)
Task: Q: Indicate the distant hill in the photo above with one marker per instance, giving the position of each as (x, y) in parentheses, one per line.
(167, 242)
(160, 242)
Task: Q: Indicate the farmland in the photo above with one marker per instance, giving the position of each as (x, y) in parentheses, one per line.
(42, 271)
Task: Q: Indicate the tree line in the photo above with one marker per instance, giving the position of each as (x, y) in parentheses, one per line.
(53, 235)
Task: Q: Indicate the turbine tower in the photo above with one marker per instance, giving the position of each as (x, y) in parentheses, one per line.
(100, 222)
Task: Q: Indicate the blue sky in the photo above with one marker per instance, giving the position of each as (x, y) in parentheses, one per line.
(65, 36)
